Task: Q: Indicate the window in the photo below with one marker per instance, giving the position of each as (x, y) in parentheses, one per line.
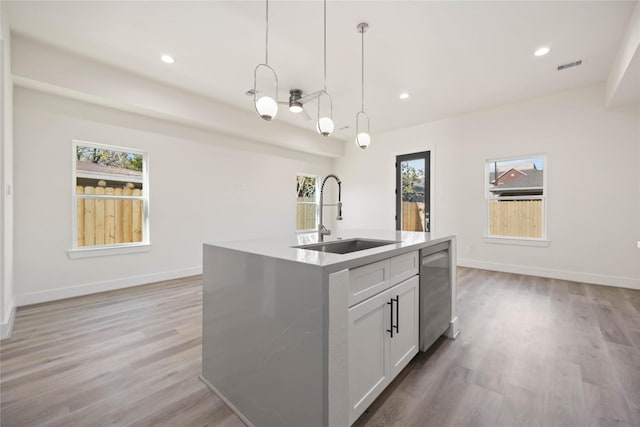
(516, 204)
(307, 202)
(110, 196)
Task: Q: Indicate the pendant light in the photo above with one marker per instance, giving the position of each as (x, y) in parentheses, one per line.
(266, 106)
(325, 123)
(363, 139)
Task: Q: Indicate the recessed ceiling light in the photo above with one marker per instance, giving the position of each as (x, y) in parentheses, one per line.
(168, 59)
(542, 51)
(404, 95)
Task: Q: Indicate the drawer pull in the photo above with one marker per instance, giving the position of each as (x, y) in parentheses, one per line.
(390, 330)
(392, 326)
(397, 300)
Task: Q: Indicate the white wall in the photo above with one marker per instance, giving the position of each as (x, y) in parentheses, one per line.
(203, 187)
(593, 179)
(44, 67)
(6, 179)
(623, 86)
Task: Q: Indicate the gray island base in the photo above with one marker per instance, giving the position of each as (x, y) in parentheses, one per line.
(301, 337)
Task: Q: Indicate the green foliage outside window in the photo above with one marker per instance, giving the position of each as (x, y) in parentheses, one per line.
(306, 187)
(116, 159)
(411, 179)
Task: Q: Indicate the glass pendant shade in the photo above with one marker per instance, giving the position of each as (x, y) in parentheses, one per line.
(325, 126)
(363, 140)
(267, 108)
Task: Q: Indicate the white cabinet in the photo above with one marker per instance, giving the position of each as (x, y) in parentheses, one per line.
(405, 342)
(368, 352)
(383, 338)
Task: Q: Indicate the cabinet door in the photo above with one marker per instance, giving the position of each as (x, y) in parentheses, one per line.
(405, 342)
(368, 352)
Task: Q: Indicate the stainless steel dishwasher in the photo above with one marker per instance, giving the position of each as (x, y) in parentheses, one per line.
(435, 293)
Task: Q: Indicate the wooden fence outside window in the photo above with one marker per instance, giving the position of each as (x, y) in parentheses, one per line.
(515, 218)
(306, 214)
(109, 221)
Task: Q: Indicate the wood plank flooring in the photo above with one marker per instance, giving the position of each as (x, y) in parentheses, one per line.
(532, 352)
(130, 358)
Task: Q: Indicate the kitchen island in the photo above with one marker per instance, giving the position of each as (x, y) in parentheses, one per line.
(304, 337)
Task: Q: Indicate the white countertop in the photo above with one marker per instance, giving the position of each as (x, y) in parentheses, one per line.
(281, 247)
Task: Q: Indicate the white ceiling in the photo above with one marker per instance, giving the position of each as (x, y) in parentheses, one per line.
(453, 57)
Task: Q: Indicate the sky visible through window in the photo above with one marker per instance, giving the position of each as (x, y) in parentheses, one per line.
(417, 164)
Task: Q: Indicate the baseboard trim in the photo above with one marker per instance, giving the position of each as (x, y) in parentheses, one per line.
(226, 402)
(109, 285)
(7, 328)
(574, 276)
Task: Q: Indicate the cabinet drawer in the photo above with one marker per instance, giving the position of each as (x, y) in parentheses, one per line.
(368, 280)
(371, 279)
(403, 266)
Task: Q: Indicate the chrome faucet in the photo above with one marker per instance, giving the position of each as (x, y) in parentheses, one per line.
(322, 230)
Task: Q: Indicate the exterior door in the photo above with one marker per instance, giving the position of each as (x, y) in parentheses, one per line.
(413, 209)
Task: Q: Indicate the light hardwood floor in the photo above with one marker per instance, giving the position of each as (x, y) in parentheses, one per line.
(532, 351)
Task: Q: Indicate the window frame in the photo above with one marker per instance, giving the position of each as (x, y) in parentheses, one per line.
(516, 240)
(117, 248)
(316, 203)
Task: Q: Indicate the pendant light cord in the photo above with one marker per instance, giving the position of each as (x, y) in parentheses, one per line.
(325, 45)
(362, 31)
(266, 39)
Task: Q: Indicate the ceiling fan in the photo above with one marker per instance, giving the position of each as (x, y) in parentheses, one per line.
(296, 100)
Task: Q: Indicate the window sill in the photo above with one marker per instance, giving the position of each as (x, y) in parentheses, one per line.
(517, 241)
(108, 250)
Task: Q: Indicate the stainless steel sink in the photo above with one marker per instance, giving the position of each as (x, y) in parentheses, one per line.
(346, 246)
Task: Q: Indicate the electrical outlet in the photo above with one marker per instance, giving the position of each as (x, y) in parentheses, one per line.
(468, 250)
(638, 244)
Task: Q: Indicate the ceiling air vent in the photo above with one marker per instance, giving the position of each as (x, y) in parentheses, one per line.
(569, 65)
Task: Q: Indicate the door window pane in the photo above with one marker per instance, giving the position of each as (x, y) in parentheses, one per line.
(412, 200)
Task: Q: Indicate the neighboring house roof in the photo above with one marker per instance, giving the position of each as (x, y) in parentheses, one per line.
(532, 179)
(510, 175)
(97, 171)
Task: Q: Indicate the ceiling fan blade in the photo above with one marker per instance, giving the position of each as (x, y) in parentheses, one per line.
(251, 92)
(309, 97)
